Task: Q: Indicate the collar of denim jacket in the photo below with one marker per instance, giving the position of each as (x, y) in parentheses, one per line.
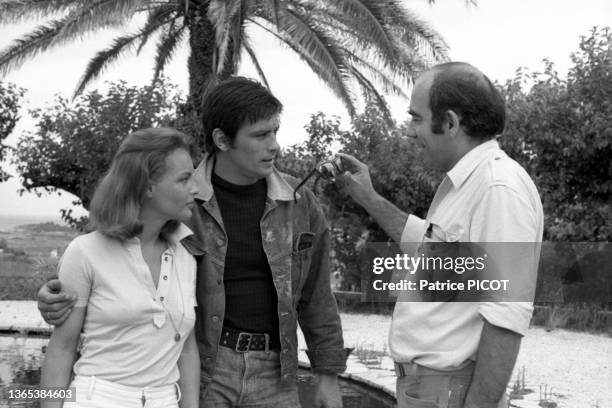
(278, 188)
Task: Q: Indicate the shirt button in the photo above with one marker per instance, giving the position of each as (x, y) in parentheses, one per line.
(165, 258)
(161, 298)
(215, 319)
(165, 277)
(220, 241)
(219, 280)
(285, 351)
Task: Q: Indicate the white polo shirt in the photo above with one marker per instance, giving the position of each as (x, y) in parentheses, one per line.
(130, 325)
(488, 198)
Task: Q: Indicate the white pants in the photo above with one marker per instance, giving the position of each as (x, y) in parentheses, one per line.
(93, 392)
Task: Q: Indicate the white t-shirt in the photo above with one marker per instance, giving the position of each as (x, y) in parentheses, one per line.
(130, 325)
(486, 198)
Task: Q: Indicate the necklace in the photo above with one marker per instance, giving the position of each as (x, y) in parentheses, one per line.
(177, 336)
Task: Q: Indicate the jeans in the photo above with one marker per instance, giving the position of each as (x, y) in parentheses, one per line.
(93, 392)
(421, 387)
(249, 380)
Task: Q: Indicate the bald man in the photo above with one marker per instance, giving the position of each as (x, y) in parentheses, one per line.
(459, 354)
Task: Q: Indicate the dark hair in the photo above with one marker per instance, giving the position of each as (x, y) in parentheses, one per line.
(140, 159)
(234, 102)
(462, 88)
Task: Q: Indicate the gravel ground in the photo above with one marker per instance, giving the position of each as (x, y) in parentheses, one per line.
(578, 366)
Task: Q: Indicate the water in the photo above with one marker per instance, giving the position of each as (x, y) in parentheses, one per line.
(21, 358)
(354, 394)
(8, 222)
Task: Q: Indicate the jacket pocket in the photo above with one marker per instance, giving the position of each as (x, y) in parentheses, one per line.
(300, 262)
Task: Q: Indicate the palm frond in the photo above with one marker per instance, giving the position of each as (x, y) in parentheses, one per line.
(371, 93)
(385, 79)
(223, 15)
(412, 38)
(167, 44)
(238, 34)
(40, 39)
(274, 7)
(154, 16)
(93, 15)
(119, 46)
(251, 53)
(355, 41)
(368, 18)
(90, 16)
(416, 34)
(319, 51)
(16, 11)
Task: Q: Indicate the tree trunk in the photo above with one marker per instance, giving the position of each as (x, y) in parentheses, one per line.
(201, 64)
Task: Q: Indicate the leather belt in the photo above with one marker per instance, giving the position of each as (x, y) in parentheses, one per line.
(413, 369)
(242, 342)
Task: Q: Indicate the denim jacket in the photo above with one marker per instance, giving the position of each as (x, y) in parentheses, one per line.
(295, 238)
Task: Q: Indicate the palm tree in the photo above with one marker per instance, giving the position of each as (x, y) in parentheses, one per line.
(352, 45)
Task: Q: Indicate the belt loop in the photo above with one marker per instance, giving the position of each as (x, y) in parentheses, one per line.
(267, 346)
(178, 392)
(90, 388)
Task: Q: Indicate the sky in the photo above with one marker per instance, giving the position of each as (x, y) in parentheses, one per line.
(497, 36)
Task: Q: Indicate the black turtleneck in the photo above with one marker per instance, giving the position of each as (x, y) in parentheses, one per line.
(250, 297)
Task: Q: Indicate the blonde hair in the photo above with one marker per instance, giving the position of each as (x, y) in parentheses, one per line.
(140, 159)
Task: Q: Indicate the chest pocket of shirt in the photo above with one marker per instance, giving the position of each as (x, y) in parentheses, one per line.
(441, 251)
(300, 260)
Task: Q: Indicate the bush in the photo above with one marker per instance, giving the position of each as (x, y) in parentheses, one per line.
(10, 96)
(395, 172)
(74, 143)
(560, 130)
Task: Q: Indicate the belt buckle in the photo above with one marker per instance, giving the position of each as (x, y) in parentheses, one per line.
(240, 348)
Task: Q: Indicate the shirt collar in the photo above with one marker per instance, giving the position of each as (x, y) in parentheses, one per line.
(466, 165)
(182, 231)
(278, 188)
(173, 238)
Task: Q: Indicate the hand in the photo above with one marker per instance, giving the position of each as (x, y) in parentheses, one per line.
(356, 179)
(53, 304)
(327, 392)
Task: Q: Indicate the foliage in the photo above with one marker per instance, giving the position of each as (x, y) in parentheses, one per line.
(560, 130)
(396, 175)
(9, 115)
(74, 142)
(350, 45)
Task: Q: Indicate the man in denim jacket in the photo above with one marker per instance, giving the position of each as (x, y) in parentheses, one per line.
(262, 263)
(245, 213)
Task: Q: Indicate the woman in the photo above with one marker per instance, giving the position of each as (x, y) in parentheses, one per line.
(135, 285)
